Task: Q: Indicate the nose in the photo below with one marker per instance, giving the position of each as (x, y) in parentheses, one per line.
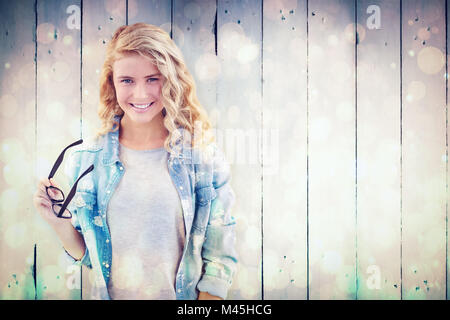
(141, 92)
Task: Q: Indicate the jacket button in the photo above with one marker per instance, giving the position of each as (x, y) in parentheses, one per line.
(121, 168)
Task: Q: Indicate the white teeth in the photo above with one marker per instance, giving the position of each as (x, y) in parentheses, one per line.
(141, 106)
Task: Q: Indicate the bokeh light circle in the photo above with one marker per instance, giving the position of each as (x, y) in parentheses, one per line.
(55, 111)
(45, 33)
(349, 32)
(430, 60)
(207, 67)
(423, 34)
(25, 75)
(116, 8)
(416, 91)
(17, 173)
(192, 11)
(60, 71)
(15, 234)
(10, 149)
(9, 200)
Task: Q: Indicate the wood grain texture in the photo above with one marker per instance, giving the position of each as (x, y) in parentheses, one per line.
(447, 30)
(17, 153)
(331, 150)
(194, 34)
(338, 143)
(378, 156)
(158, 13)
(239, 110)
(423, 150)
(284, 150)
(58, 125)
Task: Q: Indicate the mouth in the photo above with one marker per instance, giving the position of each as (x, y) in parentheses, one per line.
(142, 106)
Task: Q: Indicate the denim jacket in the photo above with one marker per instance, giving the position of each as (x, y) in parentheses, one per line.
(202, 180)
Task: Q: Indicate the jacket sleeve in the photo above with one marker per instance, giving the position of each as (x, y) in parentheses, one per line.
(72, 170)
(218, 252)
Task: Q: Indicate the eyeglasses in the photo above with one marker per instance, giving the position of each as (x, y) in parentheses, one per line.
(59, 206)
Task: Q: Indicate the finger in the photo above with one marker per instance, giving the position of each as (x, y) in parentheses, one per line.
(41, 183)
(43, 204)
(48, 183)
(46, 205)
(41, 199)
(45, 182)
(53, 182)
(42, 186)
(39, 194)
(42, 189)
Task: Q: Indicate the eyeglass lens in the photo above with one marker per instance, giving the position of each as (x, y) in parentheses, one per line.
(56, 195)
(73, 191)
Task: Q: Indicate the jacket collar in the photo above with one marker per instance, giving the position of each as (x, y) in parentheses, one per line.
(182, 148)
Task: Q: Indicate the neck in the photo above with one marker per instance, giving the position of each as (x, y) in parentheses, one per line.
(146, 135)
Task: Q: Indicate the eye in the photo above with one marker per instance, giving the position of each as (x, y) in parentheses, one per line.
(149, 80)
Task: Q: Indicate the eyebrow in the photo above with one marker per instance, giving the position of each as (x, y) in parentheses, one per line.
(152, 75)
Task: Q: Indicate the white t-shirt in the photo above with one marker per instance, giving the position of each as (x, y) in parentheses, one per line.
(146, 223)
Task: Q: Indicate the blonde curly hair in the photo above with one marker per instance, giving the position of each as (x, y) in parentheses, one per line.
(181, 105)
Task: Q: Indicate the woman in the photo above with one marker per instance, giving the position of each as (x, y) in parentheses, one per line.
(153, 218)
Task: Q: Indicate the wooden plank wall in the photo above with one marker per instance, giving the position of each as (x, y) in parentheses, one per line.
(332, 114)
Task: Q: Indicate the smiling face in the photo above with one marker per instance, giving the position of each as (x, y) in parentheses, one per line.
(138, 84)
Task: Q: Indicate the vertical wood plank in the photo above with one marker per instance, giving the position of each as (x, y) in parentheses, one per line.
(17, 149)
(58, 125)
(193, 24)
(378, 158)
(423, 150)
(100, 20)
(239, 110)
(447, 29)
(284, 149)
(331, 150)
(400, 235)
(158, 13)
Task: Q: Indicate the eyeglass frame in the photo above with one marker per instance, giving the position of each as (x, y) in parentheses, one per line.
(72, 190)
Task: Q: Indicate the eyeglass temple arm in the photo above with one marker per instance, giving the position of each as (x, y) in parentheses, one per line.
(61, 157)
(73, 190)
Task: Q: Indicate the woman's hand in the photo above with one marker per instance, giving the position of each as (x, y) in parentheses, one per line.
(43, 204)
(206, 296)
(71, 239)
